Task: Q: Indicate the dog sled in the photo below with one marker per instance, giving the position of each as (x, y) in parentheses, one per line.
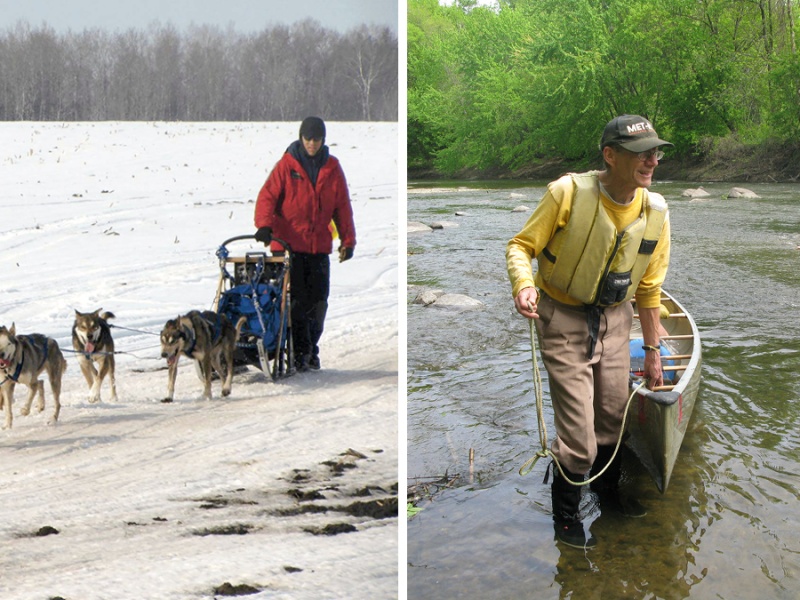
(256, 285)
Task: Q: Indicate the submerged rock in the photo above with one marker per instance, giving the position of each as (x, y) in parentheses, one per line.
(427, 297)
(443, 224)
(738, 192)
(417, 227)
(456, 301)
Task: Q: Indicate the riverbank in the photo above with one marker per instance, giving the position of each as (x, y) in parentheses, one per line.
(727, 162)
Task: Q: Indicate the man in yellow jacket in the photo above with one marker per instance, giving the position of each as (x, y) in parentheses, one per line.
(599, 239)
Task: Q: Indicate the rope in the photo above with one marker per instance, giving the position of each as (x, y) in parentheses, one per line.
(131, 353)
(527, 467)
(121, 351)
(89, 354)
(135, 330)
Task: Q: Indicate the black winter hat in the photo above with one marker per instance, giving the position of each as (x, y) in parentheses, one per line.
(312, 127)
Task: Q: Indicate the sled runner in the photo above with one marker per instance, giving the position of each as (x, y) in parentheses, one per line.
(256, 286)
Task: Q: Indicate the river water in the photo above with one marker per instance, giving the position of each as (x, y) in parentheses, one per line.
(728, 527)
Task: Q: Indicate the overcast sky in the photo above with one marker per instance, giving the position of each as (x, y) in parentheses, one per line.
(244, 15)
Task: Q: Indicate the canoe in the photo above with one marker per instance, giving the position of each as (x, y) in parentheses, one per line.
(657, 419)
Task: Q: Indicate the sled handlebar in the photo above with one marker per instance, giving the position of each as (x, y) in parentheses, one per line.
(238, 238)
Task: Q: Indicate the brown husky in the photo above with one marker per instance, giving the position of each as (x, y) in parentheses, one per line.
(206, 337)
(22, 359)
(91, 339)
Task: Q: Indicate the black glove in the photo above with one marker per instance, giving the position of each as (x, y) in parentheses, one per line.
(264, 234)
(345, 254)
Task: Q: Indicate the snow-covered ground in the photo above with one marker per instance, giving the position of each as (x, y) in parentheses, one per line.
(171, 501)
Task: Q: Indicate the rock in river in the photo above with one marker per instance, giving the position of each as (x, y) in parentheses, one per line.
(695, 193)
(416, 227)
(738, 192)
(456, 301)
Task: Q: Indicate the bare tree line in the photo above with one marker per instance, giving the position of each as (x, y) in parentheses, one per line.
(205, 74)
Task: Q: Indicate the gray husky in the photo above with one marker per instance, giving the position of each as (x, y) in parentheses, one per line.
(207, 337)
(22, 359)
(92, 341)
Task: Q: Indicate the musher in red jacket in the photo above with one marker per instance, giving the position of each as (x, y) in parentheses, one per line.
(305, 191)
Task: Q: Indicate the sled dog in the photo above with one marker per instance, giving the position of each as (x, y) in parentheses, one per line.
(91, 339)
(22, 359)
(206, 337)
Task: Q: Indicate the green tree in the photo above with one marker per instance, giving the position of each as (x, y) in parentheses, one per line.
(429, 78)
(536, 80)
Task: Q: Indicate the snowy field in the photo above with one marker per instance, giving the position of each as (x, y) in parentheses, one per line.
(139, 499)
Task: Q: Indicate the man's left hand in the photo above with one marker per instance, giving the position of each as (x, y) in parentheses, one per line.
(345, 254)
(652, 369)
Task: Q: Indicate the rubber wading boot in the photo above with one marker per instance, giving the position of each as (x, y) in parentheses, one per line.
(566, 511)
(607, 485)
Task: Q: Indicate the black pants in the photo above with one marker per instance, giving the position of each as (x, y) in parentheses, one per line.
(310, 280)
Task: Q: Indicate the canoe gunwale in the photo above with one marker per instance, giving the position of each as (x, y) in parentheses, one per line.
(663, 398)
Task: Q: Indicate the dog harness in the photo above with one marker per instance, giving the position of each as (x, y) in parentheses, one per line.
(188, 334)
(192, 338)
(18, 370)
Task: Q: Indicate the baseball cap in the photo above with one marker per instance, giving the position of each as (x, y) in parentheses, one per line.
(633, 133)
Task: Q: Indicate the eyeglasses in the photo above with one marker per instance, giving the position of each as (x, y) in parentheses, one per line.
(643, 156)
(313, 138)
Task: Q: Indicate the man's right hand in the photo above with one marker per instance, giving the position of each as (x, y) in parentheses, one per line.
(264, 235)
(525, 302)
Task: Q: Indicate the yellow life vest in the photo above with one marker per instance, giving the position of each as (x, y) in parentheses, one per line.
(592, 262)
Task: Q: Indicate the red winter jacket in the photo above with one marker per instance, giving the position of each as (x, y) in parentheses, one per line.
(299, 213)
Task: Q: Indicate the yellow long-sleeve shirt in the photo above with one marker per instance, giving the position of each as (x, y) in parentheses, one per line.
(552, 214)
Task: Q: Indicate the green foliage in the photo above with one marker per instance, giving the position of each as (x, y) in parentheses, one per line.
(538, 79)
(429, 78)
(785, 80)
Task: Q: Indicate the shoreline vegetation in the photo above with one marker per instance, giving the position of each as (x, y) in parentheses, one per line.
(728, 162)
(515, 89)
